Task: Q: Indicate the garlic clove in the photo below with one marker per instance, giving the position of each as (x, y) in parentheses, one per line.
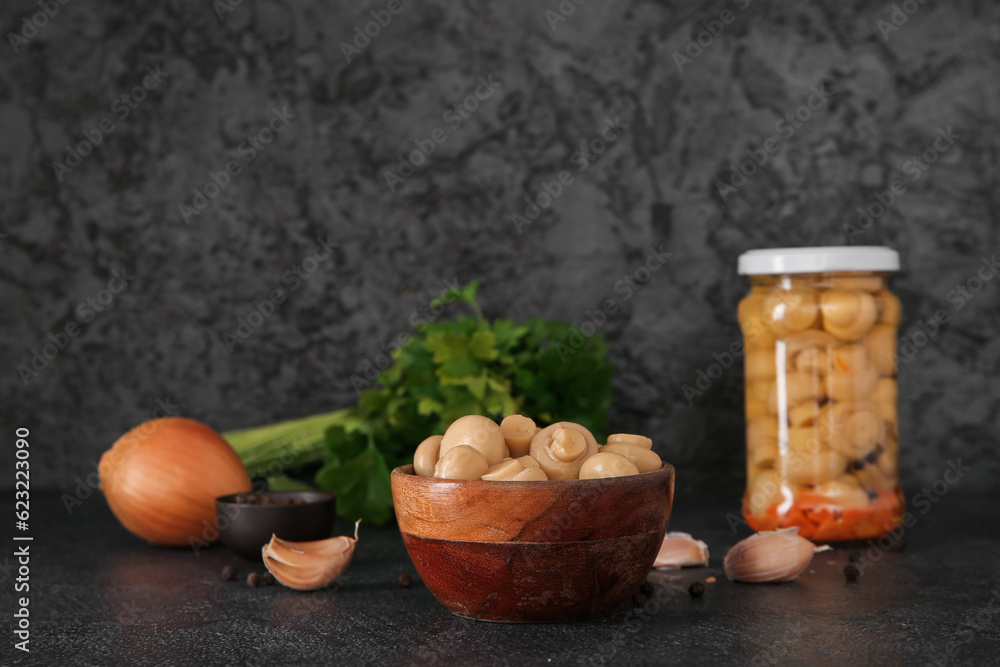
(308, 566)
(770, 556)
(680, 550)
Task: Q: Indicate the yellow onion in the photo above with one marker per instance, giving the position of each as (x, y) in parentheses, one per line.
(161, 480)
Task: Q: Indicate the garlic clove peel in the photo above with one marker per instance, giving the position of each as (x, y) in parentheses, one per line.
(680, 550)
(770, 556)
(308, 566)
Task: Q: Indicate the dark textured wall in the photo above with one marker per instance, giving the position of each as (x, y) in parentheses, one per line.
(882, 83)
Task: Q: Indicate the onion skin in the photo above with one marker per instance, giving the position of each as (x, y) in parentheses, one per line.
(161, 480)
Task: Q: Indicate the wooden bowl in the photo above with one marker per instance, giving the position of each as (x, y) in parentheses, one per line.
(533, 552)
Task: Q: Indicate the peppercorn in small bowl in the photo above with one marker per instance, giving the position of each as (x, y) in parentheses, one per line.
(247, 520)
(533, 551)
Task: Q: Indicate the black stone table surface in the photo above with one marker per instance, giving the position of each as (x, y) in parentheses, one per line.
(99, 596)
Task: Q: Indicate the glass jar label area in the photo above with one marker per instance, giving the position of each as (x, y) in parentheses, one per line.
(821, 405)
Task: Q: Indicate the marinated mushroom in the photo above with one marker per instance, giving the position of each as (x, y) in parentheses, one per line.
(504, 470)
(426, 456)
(787, 311)
(644, 459)
(885, 398)
(530, 474)
(607, 464)
(755, 407)
(813, 360)
(764, 456)
(561, 449)
(461, 462)
(843, 494)
(851, 386)
(864, 429)
(804, 414)
(762, 432)
(848, 315)
(518, 432)
(760, 365)
(804, 340)
(804, 440)
(794, 388)
(881, 345)
(630, 439)
(889, 307)
(756, 331)
(863, 283)
(528, 462)
(478, 432)
(872, 478)
(764, 489)
(812, 468)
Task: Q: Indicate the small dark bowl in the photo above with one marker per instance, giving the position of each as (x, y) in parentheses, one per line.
(245, 529)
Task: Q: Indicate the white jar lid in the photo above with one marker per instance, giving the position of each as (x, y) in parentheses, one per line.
(771, 261)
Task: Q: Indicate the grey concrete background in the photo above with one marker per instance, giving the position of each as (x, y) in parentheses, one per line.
(228, 66)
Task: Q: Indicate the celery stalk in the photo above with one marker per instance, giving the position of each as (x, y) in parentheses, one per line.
(279, 448)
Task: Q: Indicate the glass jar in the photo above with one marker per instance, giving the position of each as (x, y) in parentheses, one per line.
(820, 329)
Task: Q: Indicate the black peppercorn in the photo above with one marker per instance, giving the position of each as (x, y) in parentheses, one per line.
(253, 579)
(229, 573)
(646, 588)
(852, 572)
(696, 589)
(267, 579)
(638, 599)
(404, 580)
